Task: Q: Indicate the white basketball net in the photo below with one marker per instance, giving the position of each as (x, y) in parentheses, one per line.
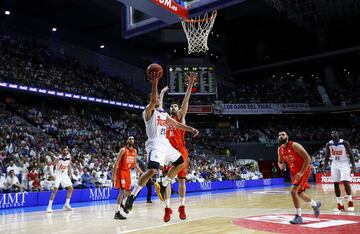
(197, 32)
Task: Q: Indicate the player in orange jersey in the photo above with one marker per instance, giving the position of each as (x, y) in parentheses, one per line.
(177, 140)
(121, 175)
(298, 161)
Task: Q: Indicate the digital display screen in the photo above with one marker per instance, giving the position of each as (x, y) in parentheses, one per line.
(204, 85)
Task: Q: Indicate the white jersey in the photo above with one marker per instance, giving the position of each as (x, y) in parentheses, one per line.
(338, 151)
(156, 126)
(61, 167)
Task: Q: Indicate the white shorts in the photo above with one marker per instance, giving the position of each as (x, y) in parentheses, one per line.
(340, 171)
(64, 180)
(161, 152)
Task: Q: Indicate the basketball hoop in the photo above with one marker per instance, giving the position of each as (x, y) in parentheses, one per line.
(197, 31)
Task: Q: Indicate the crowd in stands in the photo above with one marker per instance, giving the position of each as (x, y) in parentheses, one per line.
(347, 91)
(30, 146)
(276, 90)
(203, 169)
(32, 64)
(31, 136)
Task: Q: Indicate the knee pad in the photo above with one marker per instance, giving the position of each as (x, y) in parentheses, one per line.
(179, 161)
(153, 165)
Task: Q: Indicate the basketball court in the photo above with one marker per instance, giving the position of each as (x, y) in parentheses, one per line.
(262, 210)
(255, 210)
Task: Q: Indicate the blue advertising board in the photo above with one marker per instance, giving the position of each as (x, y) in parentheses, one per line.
(26, 199)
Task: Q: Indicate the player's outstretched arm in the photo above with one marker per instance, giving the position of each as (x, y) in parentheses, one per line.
(161, 98)
(154, 79)
(171, 122)
(191, 77)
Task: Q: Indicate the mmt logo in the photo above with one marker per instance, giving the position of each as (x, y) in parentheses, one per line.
(9, 200)
(100, 194)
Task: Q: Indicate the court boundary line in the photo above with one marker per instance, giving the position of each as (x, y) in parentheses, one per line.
(168, 224)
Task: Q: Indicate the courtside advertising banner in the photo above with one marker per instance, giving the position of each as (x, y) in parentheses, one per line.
(26, 199)
(326, 179)
(254, 109)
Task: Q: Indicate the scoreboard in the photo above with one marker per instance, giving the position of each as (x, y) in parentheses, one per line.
(204, 85)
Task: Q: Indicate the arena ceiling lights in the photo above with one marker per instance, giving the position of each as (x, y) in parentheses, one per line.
(70, 96)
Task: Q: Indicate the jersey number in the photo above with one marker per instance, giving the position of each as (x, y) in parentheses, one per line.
(163, 131)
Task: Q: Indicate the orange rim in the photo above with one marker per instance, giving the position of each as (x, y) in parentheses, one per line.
(213, 15)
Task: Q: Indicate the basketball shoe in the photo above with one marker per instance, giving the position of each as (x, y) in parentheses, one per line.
(297, 220)
(339, 208)
(182, 214)
(351, 207)
(167, 215)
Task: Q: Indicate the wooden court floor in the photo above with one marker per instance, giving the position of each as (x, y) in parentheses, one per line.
(207, 213)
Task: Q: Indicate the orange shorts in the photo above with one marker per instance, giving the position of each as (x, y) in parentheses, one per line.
(123, 180)
(303, 182)
(183, 172)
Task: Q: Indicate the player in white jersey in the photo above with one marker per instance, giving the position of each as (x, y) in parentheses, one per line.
(342, 159)
(61, 173)
(158, 148)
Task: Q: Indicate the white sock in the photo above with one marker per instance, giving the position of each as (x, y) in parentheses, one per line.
(349, 197)
(298, 211)
(167, 201)
(136, 190)
(166, 181)
(67, 202)
(312, 203)
(182, 201)
(118, 207)
(339, 200)
(50, 202)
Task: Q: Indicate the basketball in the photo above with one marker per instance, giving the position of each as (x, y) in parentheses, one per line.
(154, 67)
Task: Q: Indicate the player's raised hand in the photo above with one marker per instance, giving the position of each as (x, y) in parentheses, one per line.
(195, 132)
(191, 77)
(164, 90)
(154, 77)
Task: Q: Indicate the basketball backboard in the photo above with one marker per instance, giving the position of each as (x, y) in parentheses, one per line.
(142, 16)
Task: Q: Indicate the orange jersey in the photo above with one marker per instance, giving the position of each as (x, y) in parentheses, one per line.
(127, 161)
(176, 136)
(291, 157)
